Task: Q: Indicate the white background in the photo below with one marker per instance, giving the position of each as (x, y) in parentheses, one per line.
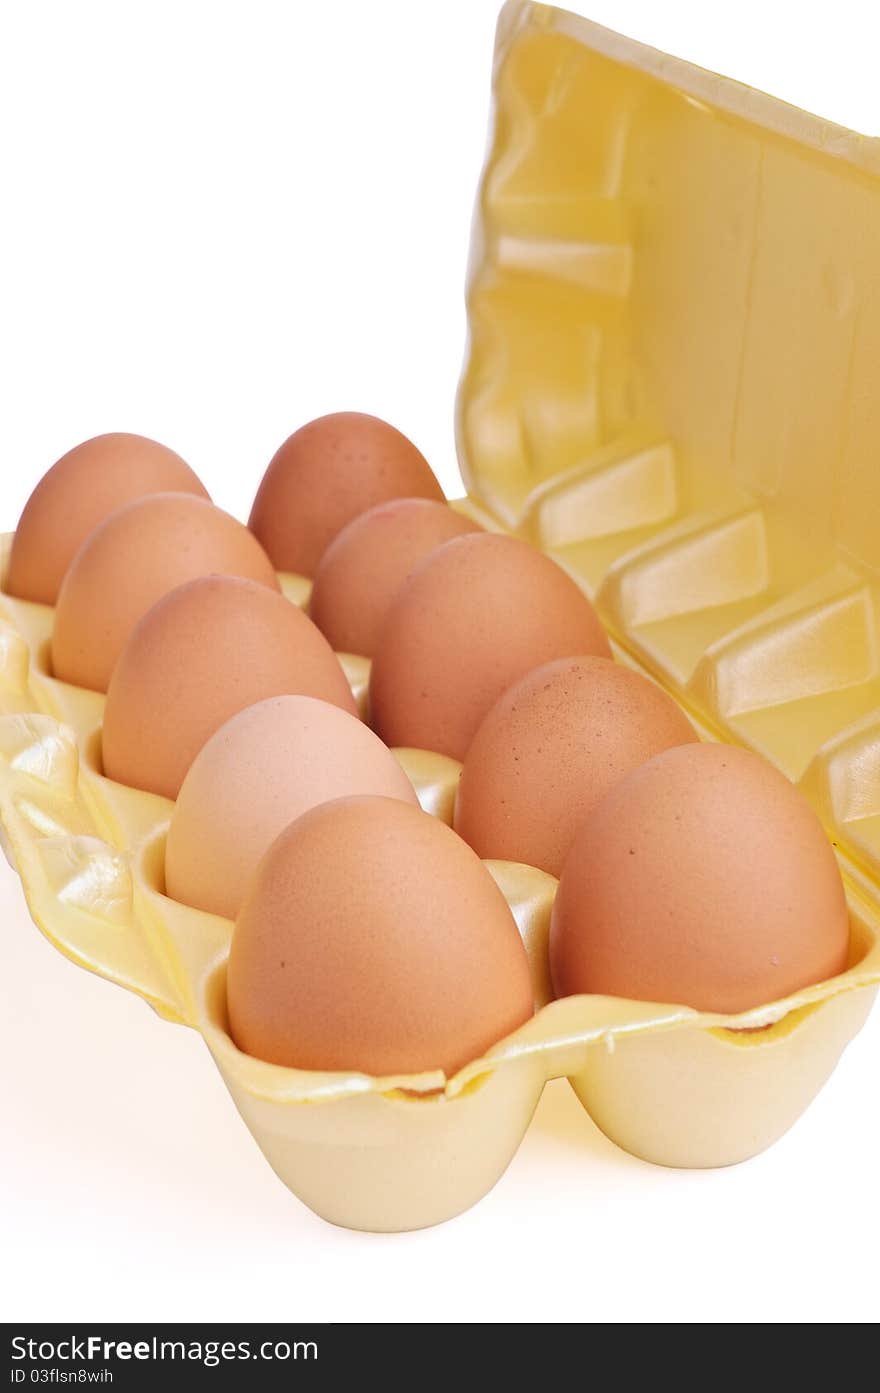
(219, 220)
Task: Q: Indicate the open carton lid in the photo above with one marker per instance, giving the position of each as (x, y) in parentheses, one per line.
(674, 302)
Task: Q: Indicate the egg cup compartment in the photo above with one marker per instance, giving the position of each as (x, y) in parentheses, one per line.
(674, 321)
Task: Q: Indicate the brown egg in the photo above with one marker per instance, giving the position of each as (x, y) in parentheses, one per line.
(364, 567)
(472, 618)
(81, 489)
(327, 473)
(260, 771)
(374, 939)
(549, 749)
(202, 653)
(130, 561)
(702, 878)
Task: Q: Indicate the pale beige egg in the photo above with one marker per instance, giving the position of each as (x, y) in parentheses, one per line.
(261, 770)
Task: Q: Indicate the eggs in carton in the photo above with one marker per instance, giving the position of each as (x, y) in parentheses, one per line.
(657, 389)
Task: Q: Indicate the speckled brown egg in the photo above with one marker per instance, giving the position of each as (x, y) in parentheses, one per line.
(260, 771)
(205, 651)
(81, 489)
(550, 748)
(327, 473)
(472, 618)
(201, 654)
(702, 878)
(374, 939)
(364, 567)
(129, 562)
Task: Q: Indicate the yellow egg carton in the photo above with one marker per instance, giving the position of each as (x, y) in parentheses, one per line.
(674, 314)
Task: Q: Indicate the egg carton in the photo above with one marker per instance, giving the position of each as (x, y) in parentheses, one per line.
(668, 389)
(667, 1083)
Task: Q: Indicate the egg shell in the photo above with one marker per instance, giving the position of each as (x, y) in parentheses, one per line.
(260, 771)
(133, 558)
(373, 938)
(549, 749)
(167, 696)
(702, 878)
(364, 567)
(472, 618)
(327, 473)
(81, 489)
